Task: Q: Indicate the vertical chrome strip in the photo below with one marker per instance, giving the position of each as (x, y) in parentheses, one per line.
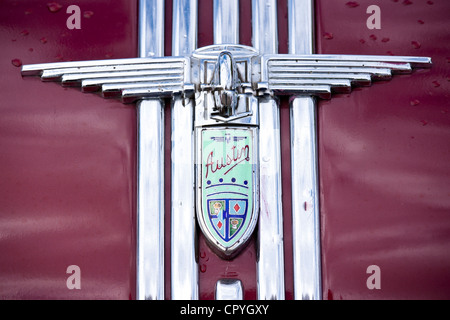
(150, 210)
(270, 264)
(265, 28)
(184, 27)
(184, 270)
(150, 166)
(301, 26)
(226, 21)
(304, 174)
(151, 28)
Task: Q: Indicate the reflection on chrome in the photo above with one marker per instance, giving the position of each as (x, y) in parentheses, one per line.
(184, 267)
(270, 264)
(304, 175)
(150, 206)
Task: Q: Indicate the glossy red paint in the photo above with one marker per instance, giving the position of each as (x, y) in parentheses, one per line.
(67, 177)
(385, 157)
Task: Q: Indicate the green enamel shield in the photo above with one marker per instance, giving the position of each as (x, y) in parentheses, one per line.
(228, 186)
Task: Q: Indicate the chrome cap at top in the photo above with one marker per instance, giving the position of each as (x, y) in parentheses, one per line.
(213, 51)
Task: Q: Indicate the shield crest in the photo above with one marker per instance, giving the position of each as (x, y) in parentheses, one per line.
(227, 190)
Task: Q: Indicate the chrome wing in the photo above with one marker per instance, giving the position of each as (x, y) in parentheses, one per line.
(322, 75)
(128, 79)
(140, 78)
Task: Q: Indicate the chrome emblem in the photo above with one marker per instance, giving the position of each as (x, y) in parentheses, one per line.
(226, 83)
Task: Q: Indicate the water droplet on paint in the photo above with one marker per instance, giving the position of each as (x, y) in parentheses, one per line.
(16, 62)
(352, 4)
(54, 7)
(328, 35)
(416, 44)
(436, 84)
(88, 14)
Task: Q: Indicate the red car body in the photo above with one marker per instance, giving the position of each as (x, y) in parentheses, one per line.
(68, 159)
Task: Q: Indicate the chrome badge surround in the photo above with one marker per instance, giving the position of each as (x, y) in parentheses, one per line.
(226, 130)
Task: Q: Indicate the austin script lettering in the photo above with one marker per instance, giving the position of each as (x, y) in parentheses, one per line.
(232, 159)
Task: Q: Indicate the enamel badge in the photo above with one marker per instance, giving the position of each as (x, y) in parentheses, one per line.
(227, 206)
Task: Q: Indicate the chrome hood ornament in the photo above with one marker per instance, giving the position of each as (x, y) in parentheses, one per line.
(225, 84)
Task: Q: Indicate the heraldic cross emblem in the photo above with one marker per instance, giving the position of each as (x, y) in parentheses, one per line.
(225, 87)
